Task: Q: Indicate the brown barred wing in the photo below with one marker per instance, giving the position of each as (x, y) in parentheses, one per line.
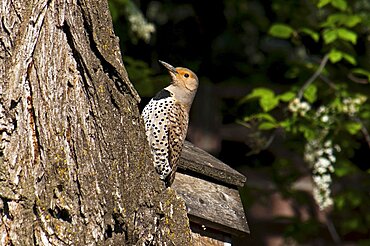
(178, 126)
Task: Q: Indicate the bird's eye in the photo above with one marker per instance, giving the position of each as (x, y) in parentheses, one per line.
(186, 75)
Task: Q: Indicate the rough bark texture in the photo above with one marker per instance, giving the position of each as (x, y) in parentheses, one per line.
(74, 163)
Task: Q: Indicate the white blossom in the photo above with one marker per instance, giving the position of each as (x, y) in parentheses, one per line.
(141, 26)
(328, 151)
(332, 158)
(328, 143)
(322, 109)
(351, 106)
(305, 106)
(320, 155)
(322, 197)
(296, 106)
(337, 148)
(325, 118)
(319, 152)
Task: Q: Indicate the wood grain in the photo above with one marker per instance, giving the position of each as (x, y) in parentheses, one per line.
(197, 160)
(212, 205)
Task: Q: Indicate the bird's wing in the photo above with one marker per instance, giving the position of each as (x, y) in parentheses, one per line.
(156, 118)
(178, 126)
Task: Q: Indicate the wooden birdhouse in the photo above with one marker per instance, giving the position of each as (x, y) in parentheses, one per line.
(210, 190)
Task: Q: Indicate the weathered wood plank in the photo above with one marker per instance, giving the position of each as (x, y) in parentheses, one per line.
(199, 240)
(211, 204)
(206, 236)
(197, 160)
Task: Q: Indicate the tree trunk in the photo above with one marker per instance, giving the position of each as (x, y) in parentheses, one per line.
(75, 167)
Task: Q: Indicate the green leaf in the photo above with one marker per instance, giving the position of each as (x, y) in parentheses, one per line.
(352, 223)
(344, 169)
(334, 20)
(287, 96)
(268, 103)
(113, 11)
(347, 35)
(261, 92)
(337, 104)
(353, 127)
(365, 115)
(339, 4)
(340, 171)
(335, 55)
(354, 199)
(340, 19)
(286, 124)
(267, 126)
(360, 71)
(267, 99)
(261, 116)
(293, 72)
(265, 116)
(256, 93)
(310, 94)
(280, 31)
(330, 35)
(351, 20)
(322, 3)
(308, 132)
(339, 201)
(349, 58)
(314, 35)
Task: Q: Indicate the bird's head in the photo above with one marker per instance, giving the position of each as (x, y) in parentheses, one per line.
(182, 77)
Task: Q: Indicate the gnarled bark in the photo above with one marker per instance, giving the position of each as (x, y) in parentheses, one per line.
(75, 167)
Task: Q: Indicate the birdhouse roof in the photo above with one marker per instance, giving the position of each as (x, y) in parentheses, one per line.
(209, 188)
(200, 163)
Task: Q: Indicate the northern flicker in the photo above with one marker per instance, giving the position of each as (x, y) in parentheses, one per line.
(166, 119)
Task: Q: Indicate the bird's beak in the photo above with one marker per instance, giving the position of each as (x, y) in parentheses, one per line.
(169, 67)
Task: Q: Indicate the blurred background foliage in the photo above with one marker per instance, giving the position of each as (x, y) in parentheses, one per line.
(283, 99)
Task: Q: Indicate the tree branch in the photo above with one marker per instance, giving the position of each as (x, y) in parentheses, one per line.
(333, 232)
(328, 81)
(314, 76)
(364, 132)
(357, 80)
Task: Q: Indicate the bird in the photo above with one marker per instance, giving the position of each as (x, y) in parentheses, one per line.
(166, 119)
